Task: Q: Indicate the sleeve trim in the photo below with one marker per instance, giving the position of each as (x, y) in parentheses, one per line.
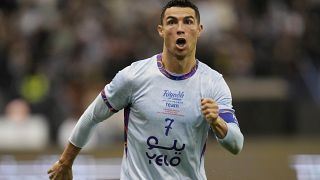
(228, 117)
(105, 99)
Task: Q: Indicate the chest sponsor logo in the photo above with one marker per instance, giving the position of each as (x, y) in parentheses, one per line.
(173, 101)
(174, 95)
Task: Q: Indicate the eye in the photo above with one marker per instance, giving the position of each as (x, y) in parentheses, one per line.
(188, 21)
(170, 22)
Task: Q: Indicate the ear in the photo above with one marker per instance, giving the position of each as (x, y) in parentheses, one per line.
(200, 29)
(160, 30)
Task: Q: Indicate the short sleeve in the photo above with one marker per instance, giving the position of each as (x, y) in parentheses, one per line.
(117, 93)
(224, 99)
(222, 94)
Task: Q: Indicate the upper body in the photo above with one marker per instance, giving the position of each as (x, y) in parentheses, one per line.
(171, 101)
(165, 130)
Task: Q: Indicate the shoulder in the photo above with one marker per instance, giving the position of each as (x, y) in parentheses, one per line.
(215, 86)
(208, 72)
(138, 68)
(143, 64)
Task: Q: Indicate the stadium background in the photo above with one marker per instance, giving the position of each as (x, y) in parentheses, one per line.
(56, 55)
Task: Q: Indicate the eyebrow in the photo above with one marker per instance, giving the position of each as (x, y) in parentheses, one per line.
(187, 17)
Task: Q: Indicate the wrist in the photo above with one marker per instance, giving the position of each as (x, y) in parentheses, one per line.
(69, 155)
(65, 163)
(219, 127)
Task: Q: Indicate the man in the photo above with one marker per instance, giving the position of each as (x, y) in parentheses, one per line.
(171, 100)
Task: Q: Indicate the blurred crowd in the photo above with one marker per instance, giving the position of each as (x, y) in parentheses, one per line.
(56, 55)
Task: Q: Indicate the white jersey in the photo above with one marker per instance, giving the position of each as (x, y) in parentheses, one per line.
(165, 131)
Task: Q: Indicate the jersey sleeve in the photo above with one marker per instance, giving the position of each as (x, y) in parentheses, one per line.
(95, 113)
(115, 96)
(222, 95)
(233, 141)
(117, 93)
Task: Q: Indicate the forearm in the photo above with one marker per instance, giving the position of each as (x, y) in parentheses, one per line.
(69, 154)
(95, 113)
(233, 140)
(219, 127)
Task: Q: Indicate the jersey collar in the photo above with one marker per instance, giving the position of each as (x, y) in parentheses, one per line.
(175, 77)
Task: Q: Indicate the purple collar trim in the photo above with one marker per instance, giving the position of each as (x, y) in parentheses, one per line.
(173, 77)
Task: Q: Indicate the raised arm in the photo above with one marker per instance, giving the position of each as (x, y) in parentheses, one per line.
(224, 125)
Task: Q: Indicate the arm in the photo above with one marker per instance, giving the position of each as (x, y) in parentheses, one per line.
(228, 134)
(95, 113)
(113, 97)
(233, 141)
(210, 110)
(62, 169)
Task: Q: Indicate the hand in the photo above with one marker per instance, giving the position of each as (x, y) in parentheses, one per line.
(210, 110)
(59, 171)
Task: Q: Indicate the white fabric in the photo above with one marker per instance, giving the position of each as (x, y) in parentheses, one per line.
(95, 113)
(153, 101)
(233, 141)
(166, 132)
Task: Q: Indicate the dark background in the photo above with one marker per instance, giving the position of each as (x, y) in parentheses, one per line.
(56, 56)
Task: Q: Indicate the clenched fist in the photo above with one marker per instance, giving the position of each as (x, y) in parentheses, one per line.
(210, 111)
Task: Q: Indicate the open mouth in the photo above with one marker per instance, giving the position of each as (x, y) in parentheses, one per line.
(181, 42)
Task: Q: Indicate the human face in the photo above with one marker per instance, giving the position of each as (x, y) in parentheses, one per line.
(180, 31)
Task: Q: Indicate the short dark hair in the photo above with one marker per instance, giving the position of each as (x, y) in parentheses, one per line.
(180, 3)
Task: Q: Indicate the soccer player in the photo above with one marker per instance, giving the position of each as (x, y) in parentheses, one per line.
(171, 101)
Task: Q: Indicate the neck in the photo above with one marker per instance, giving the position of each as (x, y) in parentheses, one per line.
(178, 65)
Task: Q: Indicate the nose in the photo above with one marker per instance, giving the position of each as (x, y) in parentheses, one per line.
(180, 29)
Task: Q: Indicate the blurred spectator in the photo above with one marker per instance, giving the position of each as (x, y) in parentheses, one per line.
(21, 130)
(17, 111)
(52, 52)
